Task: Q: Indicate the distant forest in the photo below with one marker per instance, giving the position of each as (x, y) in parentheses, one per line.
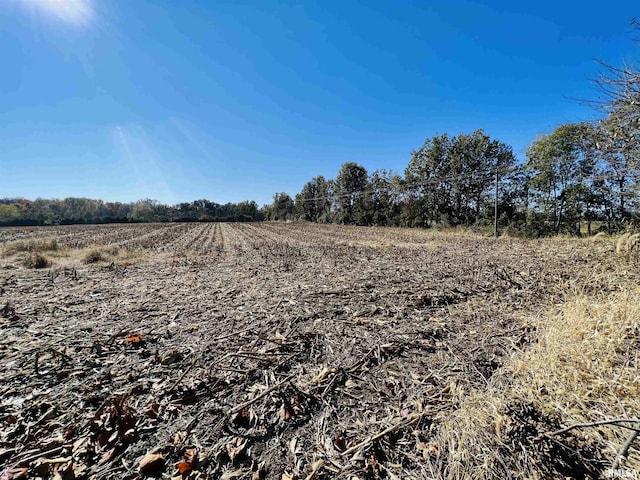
(580, 178)
(15, 212)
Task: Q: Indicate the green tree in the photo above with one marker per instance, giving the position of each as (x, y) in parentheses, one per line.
(282, 207)
(9, 214)
(247, 211)
(384, 197)
(350, 190)
(313, 203)
(561, 165)
(427, 198)
(450, 180)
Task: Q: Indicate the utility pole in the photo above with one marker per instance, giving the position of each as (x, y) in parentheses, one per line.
(495, 215)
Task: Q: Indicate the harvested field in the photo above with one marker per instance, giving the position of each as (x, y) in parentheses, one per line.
(292, 351)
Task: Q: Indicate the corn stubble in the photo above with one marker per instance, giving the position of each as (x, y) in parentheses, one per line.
(300, 351)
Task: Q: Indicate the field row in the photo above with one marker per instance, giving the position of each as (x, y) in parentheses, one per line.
(271, 350)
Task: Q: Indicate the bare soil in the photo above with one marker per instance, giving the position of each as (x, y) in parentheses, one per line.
(276, 351)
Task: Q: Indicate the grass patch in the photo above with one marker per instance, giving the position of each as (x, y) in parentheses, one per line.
(94, 256)
(583, 369)
(104, 254)
(37, 260)
(31, 246)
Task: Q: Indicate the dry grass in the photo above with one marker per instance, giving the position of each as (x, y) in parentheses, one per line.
(31, 246)
(36, 260)
(100, 254)
(584, 368)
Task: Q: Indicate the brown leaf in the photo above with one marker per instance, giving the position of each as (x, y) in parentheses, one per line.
(428, 451)
(191, 457)
(152, 411)
(65, 471)
(286, 412)
(41, 469)
(179, 437)
(184, 467)
(171, 357)
(190, 461)
(151, 463)
(79, 470)
(70, 432)
(258, 471)
(134, 338)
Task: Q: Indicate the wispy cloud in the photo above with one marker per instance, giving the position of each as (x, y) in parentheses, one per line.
(80, 13)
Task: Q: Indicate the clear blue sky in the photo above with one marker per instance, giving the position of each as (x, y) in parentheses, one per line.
(233, 100)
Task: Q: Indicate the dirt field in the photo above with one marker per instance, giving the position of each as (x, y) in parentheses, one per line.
(272, 350)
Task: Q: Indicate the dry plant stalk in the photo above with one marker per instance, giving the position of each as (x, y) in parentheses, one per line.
(581, 376)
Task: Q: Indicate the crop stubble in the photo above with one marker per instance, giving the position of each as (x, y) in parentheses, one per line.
(270, 350)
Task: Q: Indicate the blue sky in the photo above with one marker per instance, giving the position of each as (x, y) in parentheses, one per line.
(234, 100)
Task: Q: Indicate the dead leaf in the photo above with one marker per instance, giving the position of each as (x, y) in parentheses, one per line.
(171, 357)
(70, 432)
(151, 463)
(79, 470)
(236, 447)
(339, 443)
(152, 411)
(258, 471)
(179, 437)
(244, 418)
(191, 457)
(134, 338)
(286, 412)
(326, 371)
(64, 472)
(428, 451)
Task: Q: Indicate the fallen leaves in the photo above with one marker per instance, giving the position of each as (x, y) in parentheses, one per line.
(151, 463)
(229, 365)
(235, 448)
(190, 461)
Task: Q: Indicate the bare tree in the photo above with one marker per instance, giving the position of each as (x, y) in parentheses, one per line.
(620, 87)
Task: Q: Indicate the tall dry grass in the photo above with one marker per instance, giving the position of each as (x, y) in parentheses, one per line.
(583, 369)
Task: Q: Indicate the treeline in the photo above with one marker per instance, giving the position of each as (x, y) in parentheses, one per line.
(14, 212)
(448, 181)
(580, 178)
